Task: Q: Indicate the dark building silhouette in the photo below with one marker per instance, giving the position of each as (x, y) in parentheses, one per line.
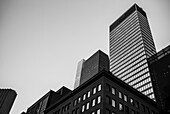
(88, 68)
(131, 43)
(48, 99)
(7, 98)
(103, 93)
(159, 65)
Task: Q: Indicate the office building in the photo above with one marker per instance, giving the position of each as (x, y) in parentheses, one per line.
(131, 43)
(159, 65)
(47, 100)
(7, 98)
(88, 68)
(103, 93)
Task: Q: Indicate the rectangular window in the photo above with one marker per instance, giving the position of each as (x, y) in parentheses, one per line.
(113, 103)
(94, 90)
(84, 96)
(107, 111)
(82, 108)
(125, 98)
(87, 106)
(133, 112)
(120, 95)
(107, 87)
(99, 87)
(98, 99)
(73, 112)
(77, 110)
(113, 91)
(93, 102)
(79, 99)
(107, 99)
(147, 110)
(143, 107)
(120, 106)
(75, 102)
(131, 101)
(126, 109)
(88, 94)
(136, 104)
(98, 111)
(92, 112)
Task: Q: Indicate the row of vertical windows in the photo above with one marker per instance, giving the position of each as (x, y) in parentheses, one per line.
(98, 111)
(135, 63)
(63, 109)
(128, 58)
(142, 83)
(87, 95)
(126, 22)
(128, 55)
(140, 75)
(133, 28)
(130, 72)
(87, 105)
(124, 97)
(132, 39)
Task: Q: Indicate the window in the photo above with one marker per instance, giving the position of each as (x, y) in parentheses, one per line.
(73, 112)
(98, 99)
(133, 112)
(93, 102)
(107, 87)
(120, 106)
(131, 101)
(77, 110)
(107, 111)
(79, 99)
(143, 107)
(113, 91)
(125, 98)
(126, 109)
(113, 103)
(107, 99)
(87, 106)
(84, 96)
(75, 102)
(147, 110)
(120, 95)
(99, 87)
(88, 94)
(94, 90)
(136, 104)
(82, 108)
(92, 112)
(98, 111)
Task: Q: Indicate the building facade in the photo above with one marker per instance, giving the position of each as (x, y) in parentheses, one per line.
(47, 100)
(159, 65)
(131, 43)
(103, 94)
(88, 68)
(7, 98)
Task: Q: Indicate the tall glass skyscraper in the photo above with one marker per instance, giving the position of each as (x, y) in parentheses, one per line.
(131, 44)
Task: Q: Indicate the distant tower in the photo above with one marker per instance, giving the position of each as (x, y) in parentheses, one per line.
(88, 68)
(131, 43)
(7, 98)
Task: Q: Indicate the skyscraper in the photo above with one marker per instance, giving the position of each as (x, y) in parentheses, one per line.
(131, 44)
(159, 65)
(88, 68)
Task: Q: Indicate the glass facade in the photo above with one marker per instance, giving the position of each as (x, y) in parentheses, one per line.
(131, 44)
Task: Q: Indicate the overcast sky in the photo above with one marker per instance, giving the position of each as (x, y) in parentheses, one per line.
(41, 41)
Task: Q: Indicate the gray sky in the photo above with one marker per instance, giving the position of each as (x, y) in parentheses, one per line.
(41, 41)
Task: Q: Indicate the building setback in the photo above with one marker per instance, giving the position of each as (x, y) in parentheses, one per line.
(159, 65)
(131, 43)
(88, 68)
(7, 98)
(103, 94)
(47, 100)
